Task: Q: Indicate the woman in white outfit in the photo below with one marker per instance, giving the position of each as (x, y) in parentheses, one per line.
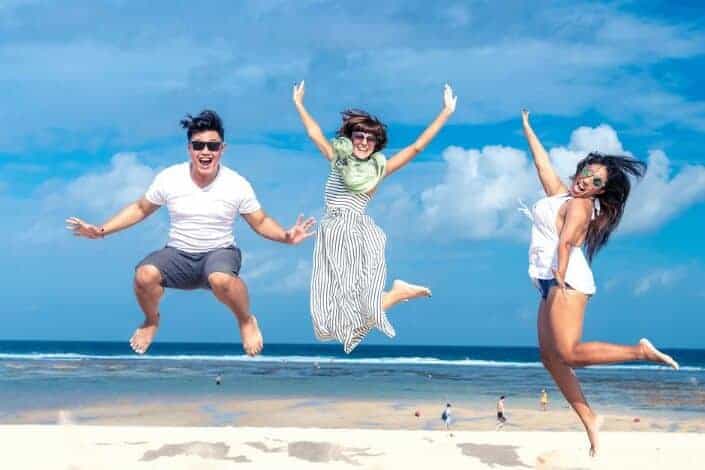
(585, 213)
(349, 269)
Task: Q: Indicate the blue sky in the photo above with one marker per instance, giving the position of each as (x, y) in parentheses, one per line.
(93, 95)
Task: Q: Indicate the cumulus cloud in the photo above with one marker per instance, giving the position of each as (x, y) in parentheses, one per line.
(663, 193)
(659, 278)
(584, 140)
(124, 181)
(479, 194)
(96, 194)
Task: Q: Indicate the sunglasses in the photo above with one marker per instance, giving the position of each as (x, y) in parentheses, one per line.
(597, 182)
(364, 137)
(212, 146)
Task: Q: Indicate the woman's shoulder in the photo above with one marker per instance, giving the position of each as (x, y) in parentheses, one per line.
(580, 204)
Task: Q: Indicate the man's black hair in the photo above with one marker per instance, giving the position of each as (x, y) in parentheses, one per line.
(207, 120)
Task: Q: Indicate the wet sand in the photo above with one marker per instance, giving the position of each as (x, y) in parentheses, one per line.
(358, 414)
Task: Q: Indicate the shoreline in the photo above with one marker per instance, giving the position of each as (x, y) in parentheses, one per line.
(320, 412)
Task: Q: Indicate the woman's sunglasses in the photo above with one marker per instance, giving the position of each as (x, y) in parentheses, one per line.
(212, 146)
(364, 137)
(597, 182)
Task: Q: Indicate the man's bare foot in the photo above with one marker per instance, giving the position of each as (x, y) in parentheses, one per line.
(594, 435)
(143, 336)
(251, 336)
(654, 355)
(407, 291)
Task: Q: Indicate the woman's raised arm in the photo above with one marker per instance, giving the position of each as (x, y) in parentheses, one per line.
(550, 180)
(407, 154)
(312, 128)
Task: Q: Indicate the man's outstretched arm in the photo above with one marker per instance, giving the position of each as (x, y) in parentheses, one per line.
(127, 217)
(267, 227)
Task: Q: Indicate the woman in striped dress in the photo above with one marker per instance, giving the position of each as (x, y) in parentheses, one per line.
(349, 270)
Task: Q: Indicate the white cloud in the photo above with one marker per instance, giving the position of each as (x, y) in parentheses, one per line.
(479, 193)
(558, 76)
(78, 101)
(477, 198)
(661, 194)
(164, 65)
(96, 194)
(584, 140)
(659, 278)
(124, 181)
(76, 76)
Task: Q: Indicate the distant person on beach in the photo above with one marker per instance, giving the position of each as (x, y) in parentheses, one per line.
(218, 379)
(584, 213)
(544, 400)
(501, 419)
(349, 268)
(446, 416)
(203, 197)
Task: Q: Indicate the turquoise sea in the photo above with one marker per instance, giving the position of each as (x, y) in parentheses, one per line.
(49, 374)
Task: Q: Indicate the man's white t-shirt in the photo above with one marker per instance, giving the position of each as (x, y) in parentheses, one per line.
(202, 218)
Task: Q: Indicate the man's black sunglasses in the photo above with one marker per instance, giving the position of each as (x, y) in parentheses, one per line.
(212, 146)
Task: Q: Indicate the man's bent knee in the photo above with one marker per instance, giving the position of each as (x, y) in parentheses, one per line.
(147, 276)
(221, 283)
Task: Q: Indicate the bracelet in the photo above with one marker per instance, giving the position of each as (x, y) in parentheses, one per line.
(102, 232)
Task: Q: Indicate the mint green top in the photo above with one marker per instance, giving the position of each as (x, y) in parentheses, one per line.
(359, 176)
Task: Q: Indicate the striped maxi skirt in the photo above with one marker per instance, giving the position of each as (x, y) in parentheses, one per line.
(349, 273)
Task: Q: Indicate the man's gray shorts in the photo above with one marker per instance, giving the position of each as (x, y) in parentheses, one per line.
(182, 270)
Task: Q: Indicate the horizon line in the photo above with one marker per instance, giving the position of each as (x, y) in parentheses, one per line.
(328, 344)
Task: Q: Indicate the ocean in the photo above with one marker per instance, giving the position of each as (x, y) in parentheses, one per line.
(61, 374)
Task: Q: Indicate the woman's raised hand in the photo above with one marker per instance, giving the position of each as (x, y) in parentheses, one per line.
(298, 94)
(524, 116)
(449, 99)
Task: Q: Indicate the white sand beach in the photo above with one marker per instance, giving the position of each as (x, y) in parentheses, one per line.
(78, 447)
(294, 433)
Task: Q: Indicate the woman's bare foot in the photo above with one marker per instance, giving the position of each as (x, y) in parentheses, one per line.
(406, 291)
(251, 336)
(654, 355)
(594, 435)
(143, 336)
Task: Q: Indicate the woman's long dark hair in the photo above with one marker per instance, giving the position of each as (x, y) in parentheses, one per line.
(612, 199)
